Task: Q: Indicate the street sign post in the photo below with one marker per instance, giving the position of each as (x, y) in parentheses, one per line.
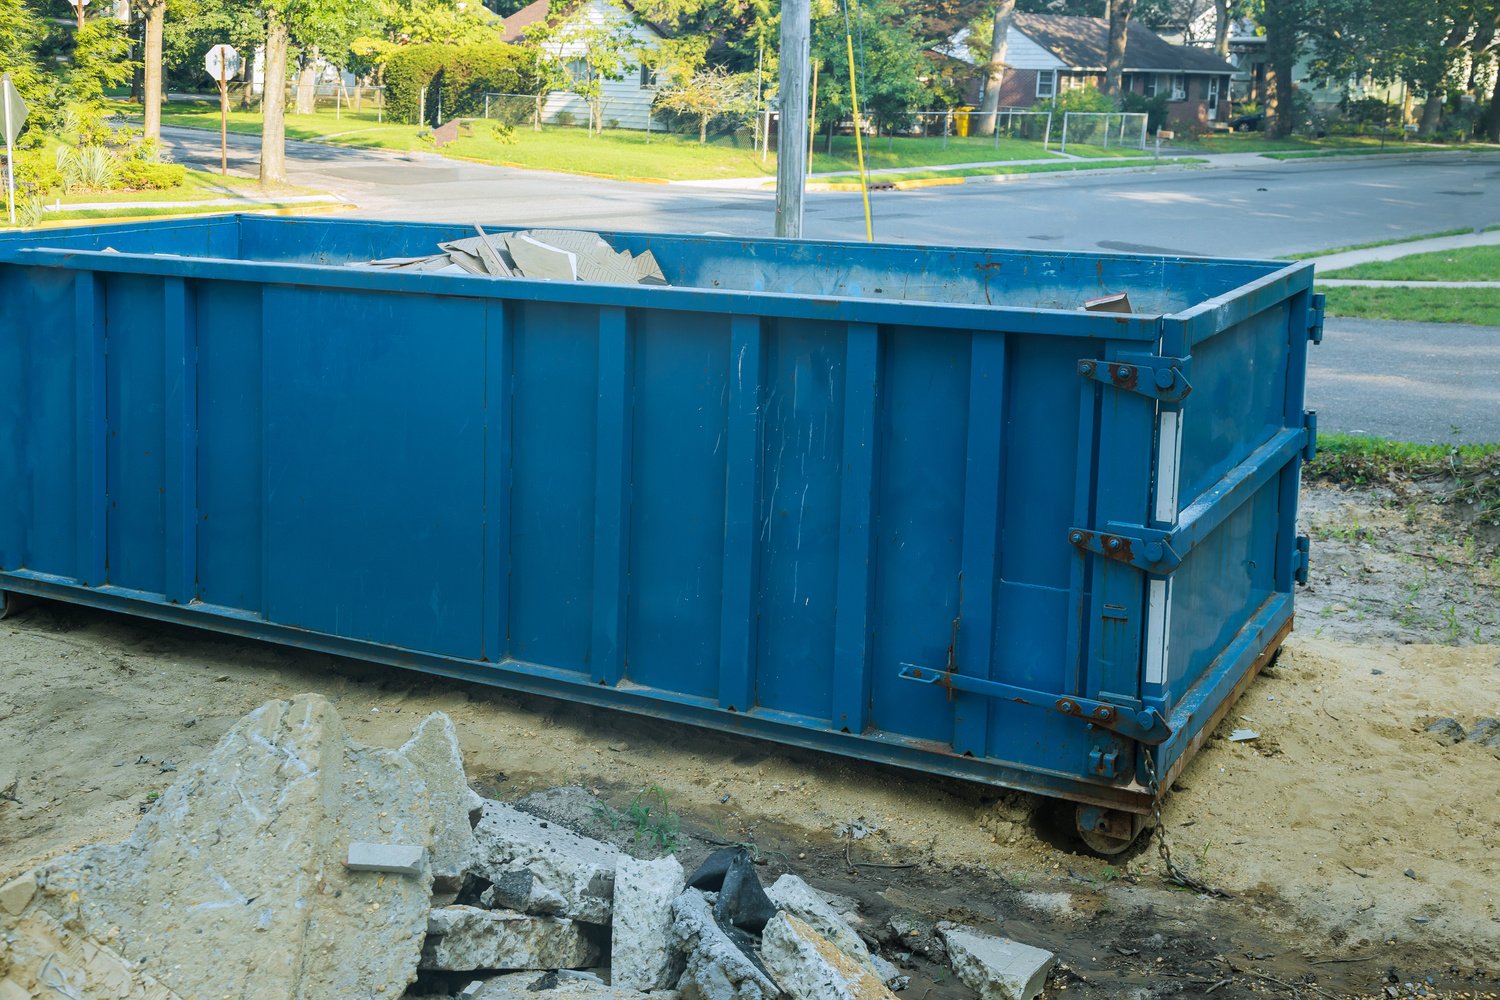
(15, 117)
(223, 63)
(79, 6)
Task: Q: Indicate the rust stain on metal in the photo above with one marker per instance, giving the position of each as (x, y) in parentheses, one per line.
(1125, 376)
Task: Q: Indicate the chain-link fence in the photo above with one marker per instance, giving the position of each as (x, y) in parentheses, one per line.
(569, 109)
(358, 101)
(1104, 129)
(1009, 123)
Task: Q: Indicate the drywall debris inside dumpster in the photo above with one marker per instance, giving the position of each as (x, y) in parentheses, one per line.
(552, 254)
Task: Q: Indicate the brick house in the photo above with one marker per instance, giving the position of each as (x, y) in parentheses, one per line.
(1049, 54)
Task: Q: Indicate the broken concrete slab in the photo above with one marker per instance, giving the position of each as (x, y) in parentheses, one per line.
(541, 868)
(393, 859)
(715, 968)
(640, 954)
(792, 895)
(433, 749)
(463, 938)
(808, 967)
(996, 968)
(236, 875)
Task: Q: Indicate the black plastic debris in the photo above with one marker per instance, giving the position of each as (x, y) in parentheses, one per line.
(710, 875)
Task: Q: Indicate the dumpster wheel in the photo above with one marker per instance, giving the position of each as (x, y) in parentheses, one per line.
(1109, 831)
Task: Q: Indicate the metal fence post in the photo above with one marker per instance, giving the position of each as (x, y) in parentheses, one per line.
(947, 124)
(1064, 147)
(1047, 135)
(486, 106)
(422, 108)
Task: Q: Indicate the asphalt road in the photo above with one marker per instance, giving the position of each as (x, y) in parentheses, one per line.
(1423, 382)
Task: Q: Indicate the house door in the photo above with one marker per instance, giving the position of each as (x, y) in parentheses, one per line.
(1213, 98)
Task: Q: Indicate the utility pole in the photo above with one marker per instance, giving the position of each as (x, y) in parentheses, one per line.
(791, 135)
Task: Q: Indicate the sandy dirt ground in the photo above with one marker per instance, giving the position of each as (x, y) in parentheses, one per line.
(1358, 852)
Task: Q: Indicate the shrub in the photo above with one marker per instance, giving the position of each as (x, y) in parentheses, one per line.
(496, 132)
(37, 173)
(1087, 99)
(1154, 108)
(457, 75)
(88, 168)
(141, 175)
(30, 209)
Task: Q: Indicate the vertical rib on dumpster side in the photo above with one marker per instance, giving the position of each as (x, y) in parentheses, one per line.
(741, 577)
(612, 495)
(89, 559)
(180, 329)
(861, 447)
(984, 487)
(498, 423)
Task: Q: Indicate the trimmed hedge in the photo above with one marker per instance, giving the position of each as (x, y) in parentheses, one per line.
(456, 77)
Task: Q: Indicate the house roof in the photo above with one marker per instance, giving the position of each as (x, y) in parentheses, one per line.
(513, 28)
(1083, 43)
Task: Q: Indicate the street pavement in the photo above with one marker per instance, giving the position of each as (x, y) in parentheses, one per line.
(1414, 381)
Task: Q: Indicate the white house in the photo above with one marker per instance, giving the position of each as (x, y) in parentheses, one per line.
(627, 101)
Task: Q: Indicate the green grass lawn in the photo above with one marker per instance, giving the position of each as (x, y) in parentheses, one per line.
(1466, 264)
(1480, 306)
(1376, 243)
(852, 183)
(1257, 142)
(622, 153)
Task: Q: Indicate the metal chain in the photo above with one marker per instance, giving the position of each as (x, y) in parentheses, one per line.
(1175, 875)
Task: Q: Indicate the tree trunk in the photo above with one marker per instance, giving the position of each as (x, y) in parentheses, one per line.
(1221, 28)
(1491, 126)
(1119, 27)
(702, 130)
(307, 85)
(1280, 22)
(273, 104)
(1432, 113)
(156, 18)
(995, 73)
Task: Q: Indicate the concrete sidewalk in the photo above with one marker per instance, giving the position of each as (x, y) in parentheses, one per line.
(1393, 251)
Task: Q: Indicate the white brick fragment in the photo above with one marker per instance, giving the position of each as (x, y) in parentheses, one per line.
(996, 968)
(395, 859)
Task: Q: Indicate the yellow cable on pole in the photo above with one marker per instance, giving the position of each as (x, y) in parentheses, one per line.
(859, 145)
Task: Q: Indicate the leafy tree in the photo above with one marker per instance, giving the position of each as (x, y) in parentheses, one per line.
(101, 59)
(888, 59)
(315, 25)
(710, 93)
(585, 52)
(21, 31)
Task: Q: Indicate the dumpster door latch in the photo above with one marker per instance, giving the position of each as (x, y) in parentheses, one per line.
(1144, 725)
(1156, 377)
(1150, 550)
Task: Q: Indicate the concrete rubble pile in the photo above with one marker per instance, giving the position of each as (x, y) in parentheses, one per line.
(293, 862)
(553, 254)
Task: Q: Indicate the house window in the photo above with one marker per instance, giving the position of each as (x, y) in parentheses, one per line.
(1213, 93)
(1179, 88)
(648, 76)
(1075, 81)
(1150, 85)
(578, 70)
(1046, 83)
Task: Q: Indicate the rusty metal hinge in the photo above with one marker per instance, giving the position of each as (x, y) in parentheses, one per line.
(1144, 548)
(1156, 377)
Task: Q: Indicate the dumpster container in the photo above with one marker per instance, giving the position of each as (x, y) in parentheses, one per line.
(908, 504)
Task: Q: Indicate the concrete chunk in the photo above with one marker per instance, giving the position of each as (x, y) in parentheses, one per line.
(17, 893)
(996, 968)
(808, 967)
(715, 967)
(792, 895)
(531, 986)
(541, 868)
(463, 938)
(433, 750)
(396, 859)
(236, 874)
(640, 954)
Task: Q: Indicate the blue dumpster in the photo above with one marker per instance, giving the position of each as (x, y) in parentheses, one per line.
(909, 504)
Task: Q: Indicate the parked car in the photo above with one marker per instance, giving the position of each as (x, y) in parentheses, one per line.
(1255, 121)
